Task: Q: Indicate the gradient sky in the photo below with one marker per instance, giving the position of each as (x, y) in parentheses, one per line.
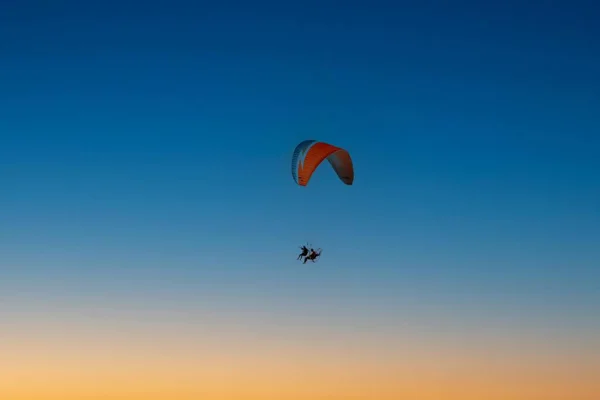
(148, 210)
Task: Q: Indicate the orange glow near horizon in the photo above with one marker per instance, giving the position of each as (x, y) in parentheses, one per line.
(123, 361)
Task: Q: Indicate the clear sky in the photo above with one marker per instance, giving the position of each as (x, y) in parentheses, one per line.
(145, 160)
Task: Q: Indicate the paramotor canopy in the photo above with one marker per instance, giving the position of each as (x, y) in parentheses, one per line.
(309, 154)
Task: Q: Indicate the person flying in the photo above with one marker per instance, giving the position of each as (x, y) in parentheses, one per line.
(304, 252)
(313, 256)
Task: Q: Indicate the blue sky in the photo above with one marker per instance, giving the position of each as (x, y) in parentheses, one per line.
(146, 149)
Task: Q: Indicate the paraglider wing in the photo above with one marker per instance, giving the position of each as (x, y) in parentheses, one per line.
(309, 154)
